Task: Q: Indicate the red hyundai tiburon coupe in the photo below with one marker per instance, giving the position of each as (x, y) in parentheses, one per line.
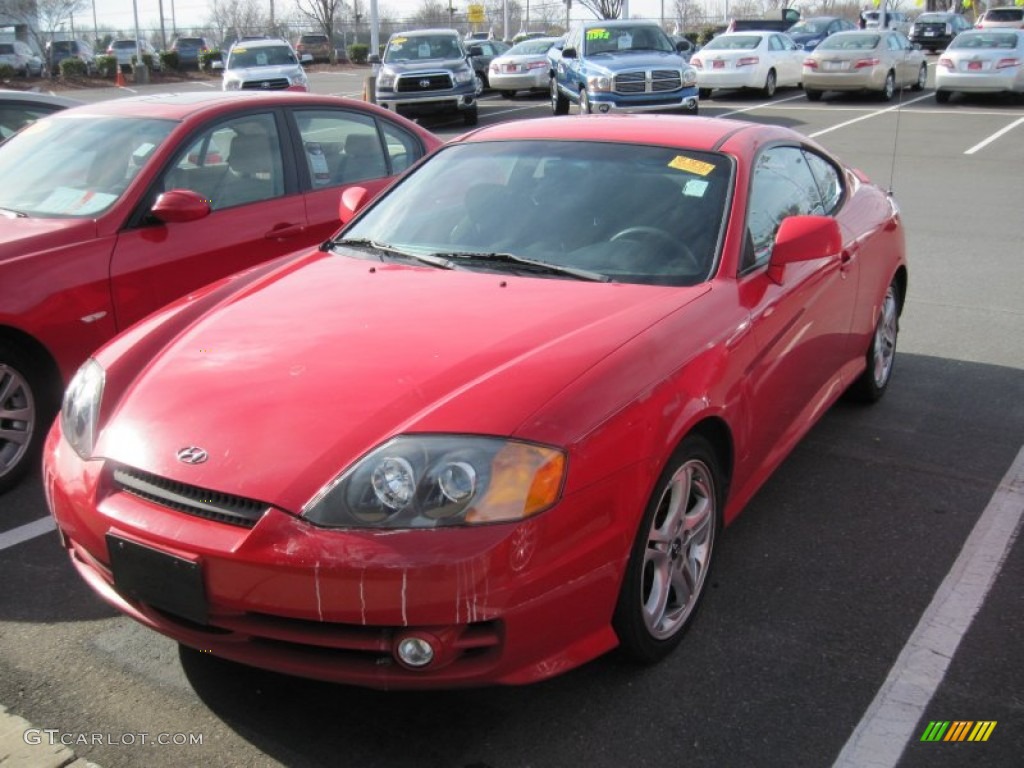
(493, 428)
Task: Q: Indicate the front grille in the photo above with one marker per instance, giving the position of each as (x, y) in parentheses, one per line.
(190, 499)
(269, 84)
(648, 81)
(424, 82)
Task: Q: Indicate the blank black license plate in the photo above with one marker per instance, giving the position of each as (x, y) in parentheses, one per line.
(160, 579)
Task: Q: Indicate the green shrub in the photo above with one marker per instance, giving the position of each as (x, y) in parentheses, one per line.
(170, 60)
(6, 71)
(706, 33)
(147, 60)
(106, 66)
(73, 67)
(358, 53)
(206, 58)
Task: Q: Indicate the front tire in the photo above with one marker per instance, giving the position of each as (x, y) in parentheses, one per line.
(942, 97)
(812, 95)
(889, 87)
(704, 93)
(27, 404)
(508, 94)
(922, 78)
(559, 104)
(881, 354)
(585, 108)
(672, 554)
(770, 84)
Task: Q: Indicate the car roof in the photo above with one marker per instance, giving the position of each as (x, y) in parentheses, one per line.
(620, 23)
(421, 32)
(263, 42)
(33, 97)
(180, 106)
(705, 133)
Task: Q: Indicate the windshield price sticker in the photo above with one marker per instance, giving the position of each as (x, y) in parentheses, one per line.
(598, 34)
(681, 163)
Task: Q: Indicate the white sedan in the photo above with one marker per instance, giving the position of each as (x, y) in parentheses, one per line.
(981, 61)
(523, 67)
(762, 60)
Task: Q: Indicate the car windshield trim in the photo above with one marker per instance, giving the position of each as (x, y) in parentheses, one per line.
(384, 249)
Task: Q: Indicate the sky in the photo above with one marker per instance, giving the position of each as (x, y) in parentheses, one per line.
(119, 14)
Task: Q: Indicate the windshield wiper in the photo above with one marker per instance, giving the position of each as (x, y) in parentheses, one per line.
(519, 261)
(355, 242)
(13, 214)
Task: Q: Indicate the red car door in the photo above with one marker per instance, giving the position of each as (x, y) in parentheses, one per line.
(256, 215)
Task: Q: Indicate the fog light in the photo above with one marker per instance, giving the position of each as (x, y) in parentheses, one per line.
(604, 109)
(415, 652)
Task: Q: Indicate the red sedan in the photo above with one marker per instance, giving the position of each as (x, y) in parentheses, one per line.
(109, 211)
(493, 429)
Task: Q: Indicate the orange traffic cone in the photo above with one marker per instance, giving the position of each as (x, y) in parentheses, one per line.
(119, 82)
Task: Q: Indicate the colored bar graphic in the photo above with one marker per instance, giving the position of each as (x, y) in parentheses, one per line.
(958, 730)
(935, 731)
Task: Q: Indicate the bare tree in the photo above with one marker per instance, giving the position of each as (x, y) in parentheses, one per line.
(234, 18)
(42, 17)
(322, 13)
(432, 13)
(603, 9)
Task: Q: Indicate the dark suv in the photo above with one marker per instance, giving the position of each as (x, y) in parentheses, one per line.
(58, 50)
(317, 46)
(934, 31)
(188, 50)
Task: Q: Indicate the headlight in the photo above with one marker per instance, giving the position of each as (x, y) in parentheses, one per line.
(464, 75)
(689, 76)
(425, 481)
(386, 78)
(81, 408)
(297, 79)
(598, 83)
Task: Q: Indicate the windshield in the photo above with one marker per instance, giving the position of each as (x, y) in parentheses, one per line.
(851, 42)
(631, 213)
(734, 43)
(1005, 40)
(635, 38)
(1005, 14)
(75, 167)
(808, 27)
(423, 47)
(264, 56)
(529, 47)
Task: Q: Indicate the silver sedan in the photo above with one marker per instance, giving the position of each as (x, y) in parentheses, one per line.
(864, 60)
(981, 61)
(524, 67)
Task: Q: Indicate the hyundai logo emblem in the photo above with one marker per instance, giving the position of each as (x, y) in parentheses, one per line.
(192, 455)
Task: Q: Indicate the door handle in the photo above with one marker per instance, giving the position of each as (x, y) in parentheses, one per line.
(284, 231)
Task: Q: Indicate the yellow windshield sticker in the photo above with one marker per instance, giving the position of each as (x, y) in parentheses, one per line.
(239, 50)
(398, 40)
(699, 167)
(598, 34)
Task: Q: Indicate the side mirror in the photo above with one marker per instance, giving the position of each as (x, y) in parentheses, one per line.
(373, 58)
(803, 238)
(180, 205)
(568, 53)
(684, 46)
(352, 201)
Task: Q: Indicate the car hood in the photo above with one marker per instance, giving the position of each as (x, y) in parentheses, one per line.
(262, 73)
(421, 65)
(21, 237)
(626, 60)
(286, 383)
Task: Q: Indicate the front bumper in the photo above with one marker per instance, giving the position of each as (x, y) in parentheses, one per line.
(605, 102)
(507, 603)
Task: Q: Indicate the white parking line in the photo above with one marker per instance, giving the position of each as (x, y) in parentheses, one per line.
(868, 116)
(888, 725)
(760, 106)
(993, 137)
(25, 532)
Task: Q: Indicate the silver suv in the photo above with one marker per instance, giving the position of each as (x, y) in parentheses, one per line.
(262, 65)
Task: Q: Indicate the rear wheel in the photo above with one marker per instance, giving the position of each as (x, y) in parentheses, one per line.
(672, 554)
(889, 87)
(559, 104)
(881, 354)
(704, 93)
(508, 94)
(811, 94)
(942, 97)
(770, 84)
(922, 78)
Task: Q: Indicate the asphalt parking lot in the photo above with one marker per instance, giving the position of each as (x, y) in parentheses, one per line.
(871, 588)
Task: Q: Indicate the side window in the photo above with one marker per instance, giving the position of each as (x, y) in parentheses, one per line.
(232, 163)
(782, 185)
(403, 149)
(829, 180)
(774, 43)
(341, 147)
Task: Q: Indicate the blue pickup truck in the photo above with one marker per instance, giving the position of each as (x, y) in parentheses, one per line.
(621, 66)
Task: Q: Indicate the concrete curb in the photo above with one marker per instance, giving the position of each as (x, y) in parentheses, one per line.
(16, 751)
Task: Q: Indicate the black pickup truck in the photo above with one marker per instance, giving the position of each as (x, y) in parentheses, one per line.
(776, 23)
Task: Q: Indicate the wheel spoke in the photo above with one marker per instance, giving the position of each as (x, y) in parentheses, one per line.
(8, 385)
(18, 437)
(656, 599)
